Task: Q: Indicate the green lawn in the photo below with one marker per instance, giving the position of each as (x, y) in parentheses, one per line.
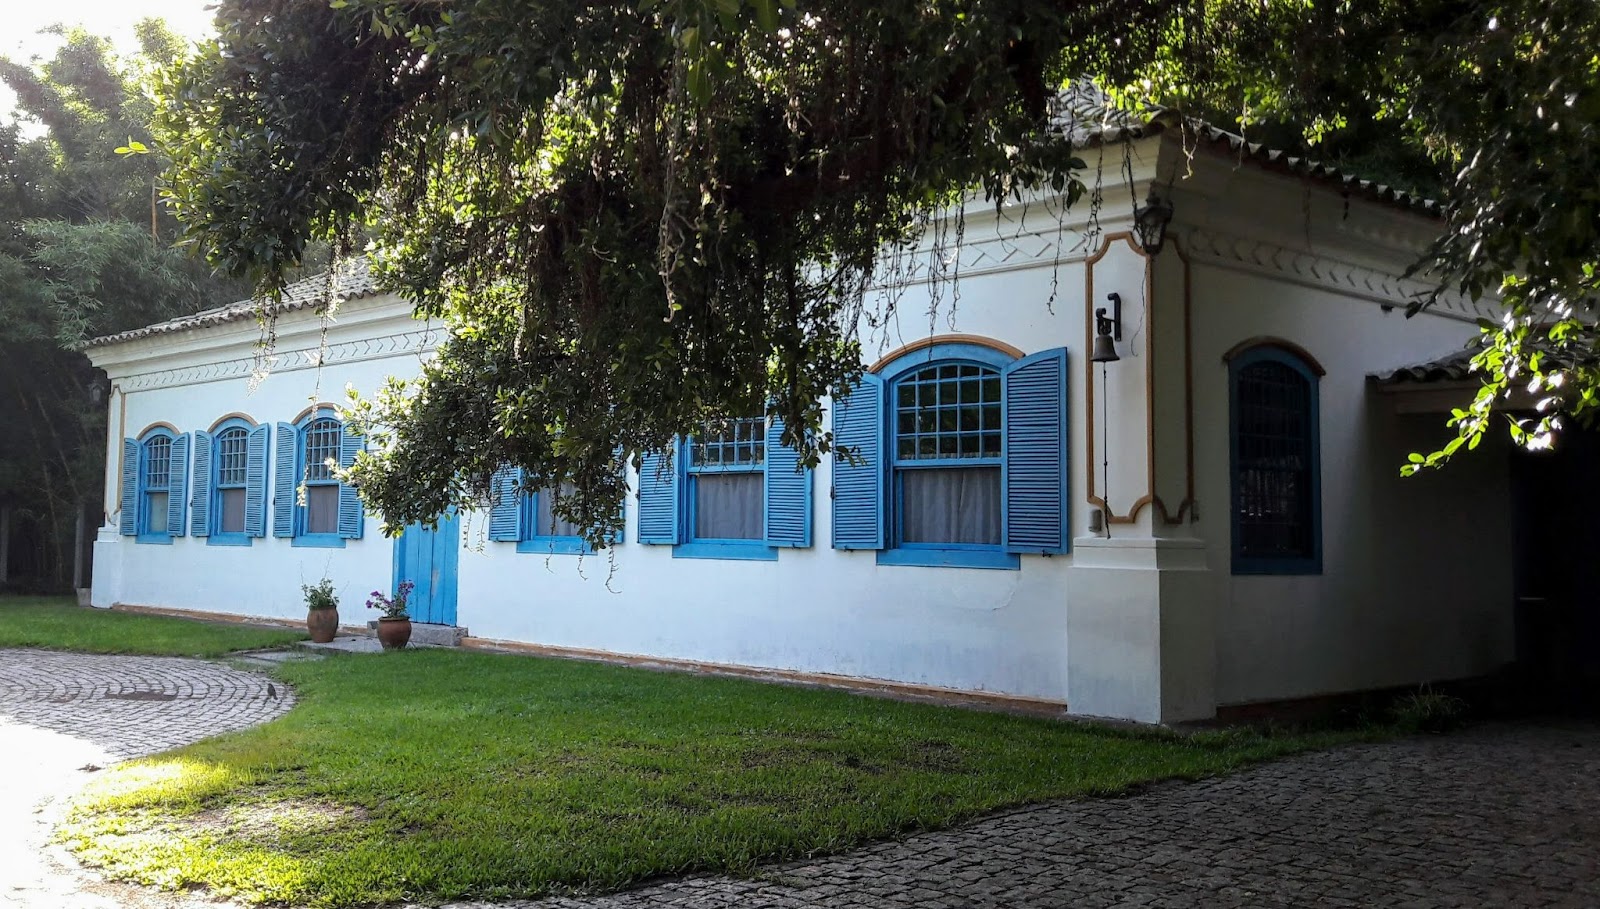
(434, 775)
(58, 623)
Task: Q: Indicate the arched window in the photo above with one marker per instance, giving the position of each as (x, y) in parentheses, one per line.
(231, 460)
(155, 480)
(319, 454)
(1275, 462)
(310, 504)
(229, 503)
(155, 471)
(947, 451)
(953, 454)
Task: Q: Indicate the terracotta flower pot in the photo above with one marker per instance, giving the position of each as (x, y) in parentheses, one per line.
(393, 634)
(323, 624)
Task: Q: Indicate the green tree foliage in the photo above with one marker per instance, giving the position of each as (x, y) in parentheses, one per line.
(641, 216)
(1503, 97)
(85, 250)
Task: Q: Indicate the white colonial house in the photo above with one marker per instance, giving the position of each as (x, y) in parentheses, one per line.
(1214, 519)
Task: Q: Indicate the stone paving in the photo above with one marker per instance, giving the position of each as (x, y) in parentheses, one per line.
(1500, 816)
(132, 706)
(63, 717)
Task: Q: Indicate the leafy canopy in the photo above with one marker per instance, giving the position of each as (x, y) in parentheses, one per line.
(641, 217)
(85, 250)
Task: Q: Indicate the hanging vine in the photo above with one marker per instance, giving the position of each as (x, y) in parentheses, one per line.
(637, 217)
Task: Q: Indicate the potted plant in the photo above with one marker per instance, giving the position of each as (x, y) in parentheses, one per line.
(394, 626)
(322, 610)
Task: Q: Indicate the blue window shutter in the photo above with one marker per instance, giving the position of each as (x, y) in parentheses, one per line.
(658, 498)
(788, 493)
(128, 520)
(351, 516)
(255, 480)
(505, 512)
(1034, 475)
(200, 498)
(178, 485)
(858, 466)
(283, 480)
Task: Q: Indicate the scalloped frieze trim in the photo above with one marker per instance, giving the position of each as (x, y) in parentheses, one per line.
(1327, 273)
(287, 360)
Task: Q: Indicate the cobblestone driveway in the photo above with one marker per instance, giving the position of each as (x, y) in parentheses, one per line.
(65, 715)
(1502, 816)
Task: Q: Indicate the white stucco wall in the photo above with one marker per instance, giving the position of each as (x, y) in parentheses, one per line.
(813, 610)
(1416, 583)
(1416, 580)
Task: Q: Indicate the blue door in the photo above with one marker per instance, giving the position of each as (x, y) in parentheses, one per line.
(427, 558)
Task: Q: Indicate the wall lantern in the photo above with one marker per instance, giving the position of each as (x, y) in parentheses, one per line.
(1150, 222)
(1107, 331)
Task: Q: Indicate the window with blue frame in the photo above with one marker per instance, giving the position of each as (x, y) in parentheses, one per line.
(310, 504)
(725, 493)
(319, 454)
(726, 478)
(1275, 469)
(155, 470)
(947, 456)
(230, 461)
(155, 476)
(228, 505)
(529, 518)
(954, 455)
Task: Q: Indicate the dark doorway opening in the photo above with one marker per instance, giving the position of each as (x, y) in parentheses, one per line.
(1556, 539)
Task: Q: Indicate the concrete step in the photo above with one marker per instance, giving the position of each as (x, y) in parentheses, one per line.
(431, 635)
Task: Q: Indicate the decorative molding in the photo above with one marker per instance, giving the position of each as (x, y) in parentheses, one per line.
(286, 360)
(1326, 273)
(1094, 496)
(935, 340)
(983, 249)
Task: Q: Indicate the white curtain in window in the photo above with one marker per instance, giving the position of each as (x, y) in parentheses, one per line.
(546, 524)
(322, 509)
(232, 511)
(728, 506)
(156, 521)
(950, 505)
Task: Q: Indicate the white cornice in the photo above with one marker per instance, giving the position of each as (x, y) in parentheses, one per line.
(418, 341)
(1324, 272)
(360, 318)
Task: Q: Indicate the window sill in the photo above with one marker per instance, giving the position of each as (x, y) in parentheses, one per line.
(228, 539)
(751, 551)
(318, 541)
(555, 546)
(951, 558)
(155, 539)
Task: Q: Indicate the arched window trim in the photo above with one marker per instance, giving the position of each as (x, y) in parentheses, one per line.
(1240, 358)
(897, 551)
